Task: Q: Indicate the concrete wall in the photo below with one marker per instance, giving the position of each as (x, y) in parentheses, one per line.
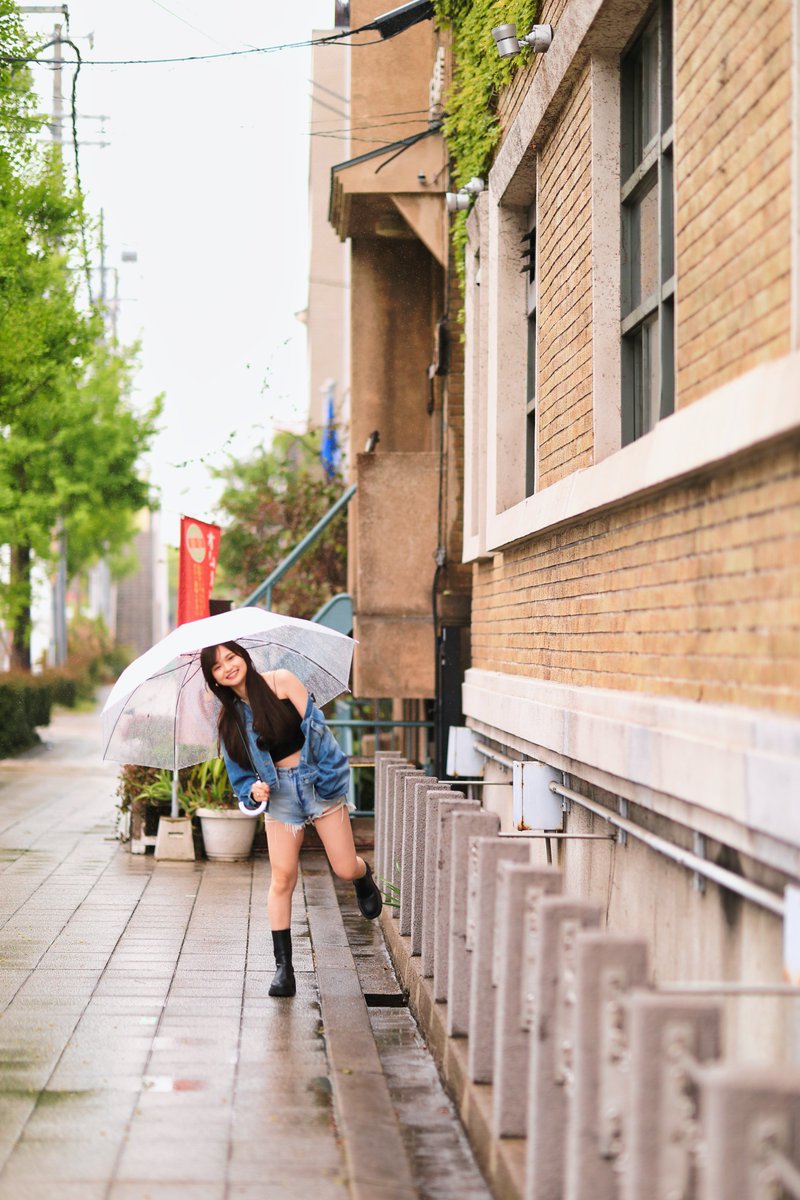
(328, 282)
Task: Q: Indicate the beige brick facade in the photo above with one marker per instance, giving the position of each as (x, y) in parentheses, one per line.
(693, 594)
(565, 292)
(733, 143)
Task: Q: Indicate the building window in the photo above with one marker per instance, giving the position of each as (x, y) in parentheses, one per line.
(648, 255)
(529, 268)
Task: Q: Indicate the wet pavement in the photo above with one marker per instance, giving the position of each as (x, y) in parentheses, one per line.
(141, 1057)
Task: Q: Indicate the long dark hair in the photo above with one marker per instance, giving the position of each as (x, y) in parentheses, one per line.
(271, 721)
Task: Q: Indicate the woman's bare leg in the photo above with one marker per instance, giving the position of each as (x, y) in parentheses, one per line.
(284, 855)
(336, 834)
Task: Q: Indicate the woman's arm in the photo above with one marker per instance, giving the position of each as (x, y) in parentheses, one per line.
(242, 779)
(288, 687)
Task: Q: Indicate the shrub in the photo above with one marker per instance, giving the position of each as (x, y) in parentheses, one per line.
(24, 704)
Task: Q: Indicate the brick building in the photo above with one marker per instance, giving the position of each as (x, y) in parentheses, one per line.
(409, 586)
(632, 495)
(618, 437)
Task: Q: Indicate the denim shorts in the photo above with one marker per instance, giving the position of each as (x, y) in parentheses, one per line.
(294, 801)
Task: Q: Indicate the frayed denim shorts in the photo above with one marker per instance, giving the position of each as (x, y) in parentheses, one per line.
(293, 801)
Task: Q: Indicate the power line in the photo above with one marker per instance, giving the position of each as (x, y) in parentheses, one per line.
(142, 62)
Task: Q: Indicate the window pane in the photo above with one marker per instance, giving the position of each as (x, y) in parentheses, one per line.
(645, 241)
(647, 100)
(646, 399)
(531, 393)
(530, 454)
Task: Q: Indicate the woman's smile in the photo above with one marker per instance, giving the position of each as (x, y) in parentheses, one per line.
(229, 669)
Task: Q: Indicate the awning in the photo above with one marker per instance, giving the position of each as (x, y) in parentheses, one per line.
(393, 188)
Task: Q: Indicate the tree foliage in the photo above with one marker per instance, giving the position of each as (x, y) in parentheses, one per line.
(70, 438)
(270, 502)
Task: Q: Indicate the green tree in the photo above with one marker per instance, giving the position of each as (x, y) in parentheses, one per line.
(69, 436)
(270, 502)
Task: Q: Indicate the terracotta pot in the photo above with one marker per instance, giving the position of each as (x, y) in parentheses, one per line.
(227, 833)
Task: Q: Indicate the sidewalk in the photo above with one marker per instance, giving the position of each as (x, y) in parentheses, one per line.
(141, 1057)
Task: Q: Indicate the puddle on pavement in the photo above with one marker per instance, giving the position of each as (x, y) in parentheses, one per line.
(321, 1090)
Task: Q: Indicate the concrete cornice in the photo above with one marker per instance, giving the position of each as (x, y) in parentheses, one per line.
(733, 773)
(746, 414)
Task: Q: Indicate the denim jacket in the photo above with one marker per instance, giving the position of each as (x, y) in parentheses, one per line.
(323, 763)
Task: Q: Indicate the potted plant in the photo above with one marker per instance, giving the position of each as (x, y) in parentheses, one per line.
(145, 795)
(228, 834)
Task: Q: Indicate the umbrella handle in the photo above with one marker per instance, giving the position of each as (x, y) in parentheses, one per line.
(253, 808)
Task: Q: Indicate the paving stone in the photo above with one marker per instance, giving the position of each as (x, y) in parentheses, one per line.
(141, 1057)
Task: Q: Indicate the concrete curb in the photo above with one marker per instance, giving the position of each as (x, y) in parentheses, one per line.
(373, 1144)
(502, 1160)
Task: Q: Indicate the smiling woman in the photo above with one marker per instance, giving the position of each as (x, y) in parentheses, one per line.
(280, 753)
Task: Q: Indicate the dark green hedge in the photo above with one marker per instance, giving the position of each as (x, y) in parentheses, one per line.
(24, 704)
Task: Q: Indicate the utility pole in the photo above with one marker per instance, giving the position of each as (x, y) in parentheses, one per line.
(60, 581)
(59, 592)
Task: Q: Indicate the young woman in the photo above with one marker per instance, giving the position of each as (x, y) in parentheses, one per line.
(278, 748)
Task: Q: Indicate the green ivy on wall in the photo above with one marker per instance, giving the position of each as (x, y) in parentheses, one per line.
(471, 125)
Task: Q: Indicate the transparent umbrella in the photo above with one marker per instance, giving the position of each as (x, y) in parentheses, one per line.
(160, 712)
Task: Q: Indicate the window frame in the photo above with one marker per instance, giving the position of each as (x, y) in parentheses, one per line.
(530, 260)
(646, 168)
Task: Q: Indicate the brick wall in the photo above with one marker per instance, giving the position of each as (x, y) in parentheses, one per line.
(733, 147)
(509, 102)
(694, 594)
(565, 292)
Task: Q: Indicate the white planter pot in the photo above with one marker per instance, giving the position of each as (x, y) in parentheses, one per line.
(227, 834)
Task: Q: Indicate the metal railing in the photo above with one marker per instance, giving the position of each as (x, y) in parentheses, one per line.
(264, 590)
(359, 761)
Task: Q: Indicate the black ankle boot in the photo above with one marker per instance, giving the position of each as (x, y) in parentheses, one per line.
(368, 896)
(283, 984)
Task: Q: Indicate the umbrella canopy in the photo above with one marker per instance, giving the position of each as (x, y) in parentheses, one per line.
(160, 712)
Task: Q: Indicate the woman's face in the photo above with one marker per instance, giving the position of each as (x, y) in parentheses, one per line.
(229, 669)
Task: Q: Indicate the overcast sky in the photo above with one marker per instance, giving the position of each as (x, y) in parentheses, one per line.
(205, 178)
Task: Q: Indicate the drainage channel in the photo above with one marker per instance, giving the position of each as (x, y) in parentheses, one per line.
(440, 1155)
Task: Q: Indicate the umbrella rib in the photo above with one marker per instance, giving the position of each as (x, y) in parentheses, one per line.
(181, 686)
(294, 650)
(114, 727)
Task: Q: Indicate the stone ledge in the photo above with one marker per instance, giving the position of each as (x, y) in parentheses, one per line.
(502, 1160)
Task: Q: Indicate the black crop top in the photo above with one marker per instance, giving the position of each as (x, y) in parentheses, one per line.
(294, 739)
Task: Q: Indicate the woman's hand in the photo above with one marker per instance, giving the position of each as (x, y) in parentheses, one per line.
(260, 792)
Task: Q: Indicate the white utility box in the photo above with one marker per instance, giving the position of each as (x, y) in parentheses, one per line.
(533, 804)
(463, 759)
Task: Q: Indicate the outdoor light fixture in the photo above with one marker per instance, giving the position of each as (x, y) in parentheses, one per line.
(508, 44)
(398, 19)
(460, 201)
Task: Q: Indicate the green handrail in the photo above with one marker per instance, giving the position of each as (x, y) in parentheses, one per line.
(265, 589)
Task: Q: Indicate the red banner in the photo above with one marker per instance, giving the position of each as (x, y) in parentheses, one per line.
(197, 566)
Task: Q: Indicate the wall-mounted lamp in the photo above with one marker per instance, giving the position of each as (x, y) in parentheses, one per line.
(508, 44)
(460, 201)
